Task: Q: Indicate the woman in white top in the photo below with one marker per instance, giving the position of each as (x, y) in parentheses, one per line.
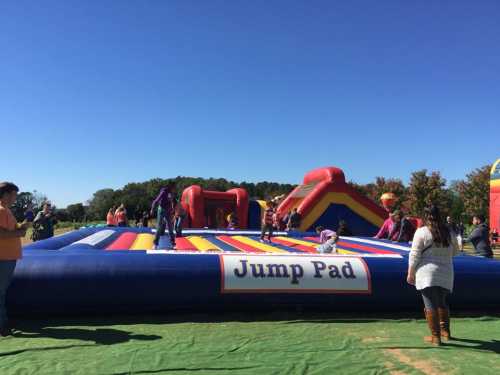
(430, 269)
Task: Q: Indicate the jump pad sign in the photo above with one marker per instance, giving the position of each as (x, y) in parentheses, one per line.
(245, 273)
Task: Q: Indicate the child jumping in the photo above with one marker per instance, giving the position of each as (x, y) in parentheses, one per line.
(267, 222)
(165, 202)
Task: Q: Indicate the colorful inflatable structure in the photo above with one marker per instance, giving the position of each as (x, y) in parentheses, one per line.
(495, 197)
(324, 198)
(113, 270)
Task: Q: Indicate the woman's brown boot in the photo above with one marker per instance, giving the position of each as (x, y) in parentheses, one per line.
(433, 321)
(444, 323)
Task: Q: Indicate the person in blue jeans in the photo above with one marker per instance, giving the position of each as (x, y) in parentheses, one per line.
(165, 204)
(179, 216)
(10, 247)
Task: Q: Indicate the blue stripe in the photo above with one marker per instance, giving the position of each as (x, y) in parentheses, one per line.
(375, 247)
(289, 249)
(221, 244)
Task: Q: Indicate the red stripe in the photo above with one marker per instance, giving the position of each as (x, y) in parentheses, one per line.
(182, 243)
(358, 247)
(365, 248)
(239, 245)
(124, 242)
(314, 239)
(307, 249)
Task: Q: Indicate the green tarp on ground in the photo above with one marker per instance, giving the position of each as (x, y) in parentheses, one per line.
(247, 344)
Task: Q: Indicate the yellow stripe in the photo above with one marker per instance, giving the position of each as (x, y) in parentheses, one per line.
(342, 251)
(202, 244)
(313, 244)
(144, 241)
(259, 245)
(339, 198)
(298, 242)
(262, 204)
(495, 183)
(263, 207)
(494, 167)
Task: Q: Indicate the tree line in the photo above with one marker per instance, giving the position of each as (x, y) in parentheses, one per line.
(460, 199)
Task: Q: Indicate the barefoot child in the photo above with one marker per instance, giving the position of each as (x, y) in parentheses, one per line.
(10, 247)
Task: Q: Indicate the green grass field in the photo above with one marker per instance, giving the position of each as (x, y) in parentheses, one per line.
(274, 343)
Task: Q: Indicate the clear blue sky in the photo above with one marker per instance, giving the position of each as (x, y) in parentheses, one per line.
(95, 94)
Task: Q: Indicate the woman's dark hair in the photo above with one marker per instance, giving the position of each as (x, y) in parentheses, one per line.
(319, 229)
(7, 187)
(480, 217)
(440, 232)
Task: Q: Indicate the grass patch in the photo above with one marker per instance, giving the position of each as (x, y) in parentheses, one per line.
(274, 343)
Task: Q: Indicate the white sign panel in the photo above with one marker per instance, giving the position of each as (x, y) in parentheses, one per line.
(246, 273)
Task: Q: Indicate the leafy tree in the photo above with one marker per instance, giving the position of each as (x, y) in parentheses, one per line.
(383, 185)
(75, 212)
(475, 192)
(24, 200)
(100, 203)
(425, 190)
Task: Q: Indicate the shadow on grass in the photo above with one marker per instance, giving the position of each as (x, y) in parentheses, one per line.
(491, 346)
(285, 317)
(20, 351)
(100, 336)
(215, 370)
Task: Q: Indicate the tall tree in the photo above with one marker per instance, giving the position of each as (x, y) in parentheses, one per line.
(425, 189)
(76, 212)
(100, 203)
(383, 185)
(475, 192)
(24, 200)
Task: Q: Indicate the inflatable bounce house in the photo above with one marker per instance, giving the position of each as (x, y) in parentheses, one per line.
(115, 270)
(324, 198)
(495, 198)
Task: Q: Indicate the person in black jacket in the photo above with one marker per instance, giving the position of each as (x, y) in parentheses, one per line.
(480, 237)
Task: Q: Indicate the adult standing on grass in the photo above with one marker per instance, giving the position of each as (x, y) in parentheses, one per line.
(430, 269)
(10, 247)
(165, 204)
(43, 225)
(480, 237)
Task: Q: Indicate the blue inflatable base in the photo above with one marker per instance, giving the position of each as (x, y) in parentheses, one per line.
(89, 280)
